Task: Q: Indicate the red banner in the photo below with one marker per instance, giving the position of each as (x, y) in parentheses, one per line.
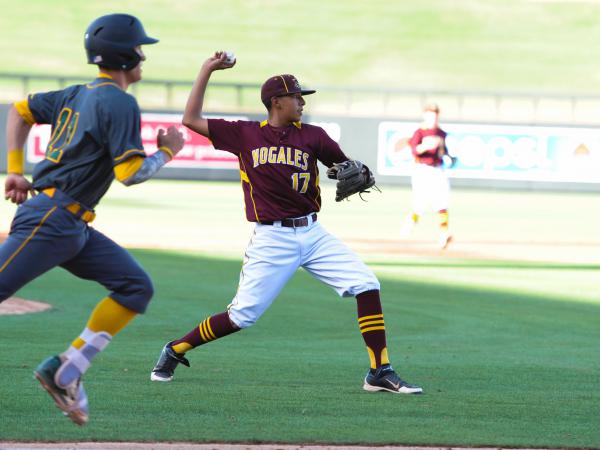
(197, 152)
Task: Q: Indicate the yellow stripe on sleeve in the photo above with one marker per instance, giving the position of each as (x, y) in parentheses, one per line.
(15, 161)
(22, 107)
(126, 169)
(129, 152)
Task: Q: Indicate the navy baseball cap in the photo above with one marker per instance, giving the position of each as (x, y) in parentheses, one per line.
(279, 85)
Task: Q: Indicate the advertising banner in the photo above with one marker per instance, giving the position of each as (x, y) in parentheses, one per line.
(494, 152)
(197, 152)
(502, 152)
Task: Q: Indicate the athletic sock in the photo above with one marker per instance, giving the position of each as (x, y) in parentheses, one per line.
(211, 328)
(76, 361)
(443, 216)
(110, 316)
(107, 319)
(372, 327)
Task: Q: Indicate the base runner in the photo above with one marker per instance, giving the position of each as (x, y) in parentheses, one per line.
(95, 139)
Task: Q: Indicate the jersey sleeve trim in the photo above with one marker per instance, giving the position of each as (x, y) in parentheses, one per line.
(127, 168)
(22, 108)
(129, 153)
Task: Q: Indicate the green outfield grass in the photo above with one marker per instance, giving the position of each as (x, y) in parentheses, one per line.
(500, 368)
(504, 342)
(467, 44)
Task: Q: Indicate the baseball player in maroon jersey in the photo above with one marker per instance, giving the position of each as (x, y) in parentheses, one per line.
(430, 186)
(278, 166)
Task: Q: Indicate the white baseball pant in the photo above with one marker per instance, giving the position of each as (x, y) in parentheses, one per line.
(430, 188)
(275, 253)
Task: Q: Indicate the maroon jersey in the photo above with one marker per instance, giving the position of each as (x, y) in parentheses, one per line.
(431, 157)
(278, 166)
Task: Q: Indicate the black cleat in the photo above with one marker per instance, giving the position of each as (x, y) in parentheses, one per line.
(386, 379)
(166, 364)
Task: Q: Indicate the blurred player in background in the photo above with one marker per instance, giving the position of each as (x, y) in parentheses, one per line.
(280, 179)
(430, 185)
(95, 139)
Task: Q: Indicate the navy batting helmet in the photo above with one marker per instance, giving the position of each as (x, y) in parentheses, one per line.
(110, 41)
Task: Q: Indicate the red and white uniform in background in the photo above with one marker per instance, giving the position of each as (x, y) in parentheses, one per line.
(280, 180)
(430, 186)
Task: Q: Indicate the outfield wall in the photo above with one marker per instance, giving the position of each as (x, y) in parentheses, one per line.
(493, 156)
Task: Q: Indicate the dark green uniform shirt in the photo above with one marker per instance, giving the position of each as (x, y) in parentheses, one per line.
(94, 127)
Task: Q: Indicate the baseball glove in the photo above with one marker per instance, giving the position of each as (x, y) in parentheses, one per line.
(353, 177)
(449, 161)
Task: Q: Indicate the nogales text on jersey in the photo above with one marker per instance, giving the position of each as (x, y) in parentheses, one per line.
(280, 155)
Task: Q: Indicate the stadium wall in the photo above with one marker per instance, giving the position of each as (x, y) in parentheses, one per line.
(559, 158)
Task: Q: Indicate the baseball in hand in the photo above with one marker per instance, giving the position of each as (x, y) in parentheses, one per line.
(229, 57)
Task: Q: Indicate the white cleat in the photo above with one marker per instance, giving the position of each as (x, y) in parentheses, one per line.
(444, 240)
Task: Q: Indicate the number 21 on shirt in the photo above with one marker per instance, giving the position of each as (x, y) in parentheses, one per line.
(65, 127)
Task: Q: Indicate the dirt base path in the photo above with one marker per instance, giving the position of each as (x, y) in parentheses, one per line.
(16, 306)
